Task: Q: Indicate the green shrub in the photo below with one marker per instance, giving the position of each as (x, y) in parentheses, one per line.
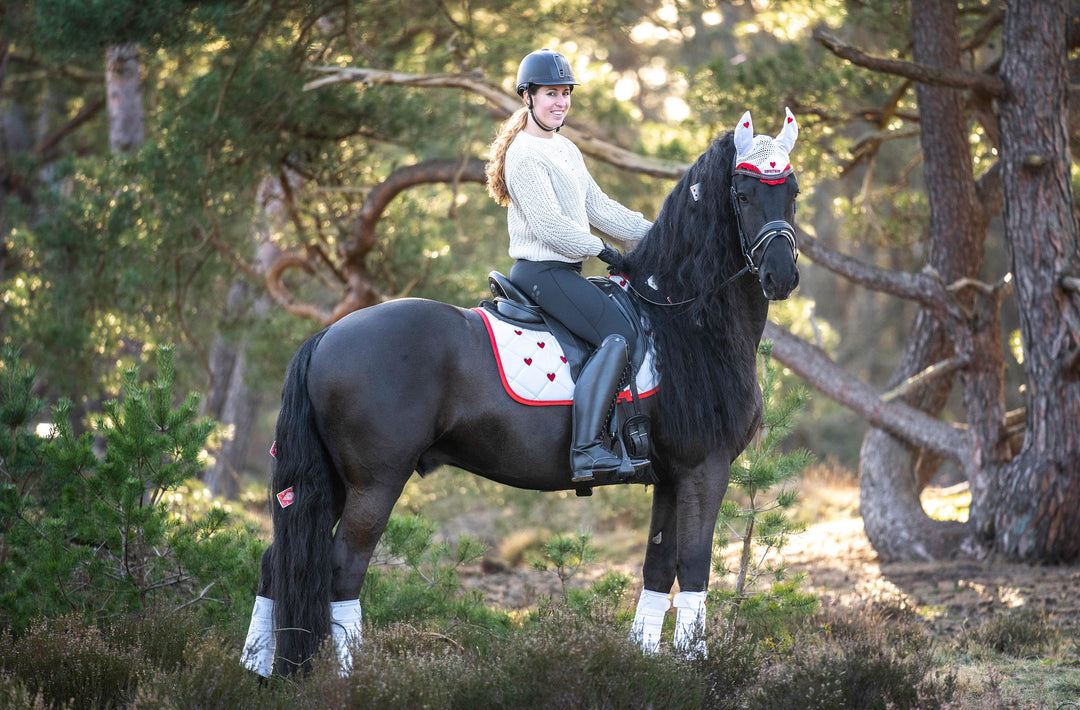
(755, 515)
(93, 532)
(415, 579)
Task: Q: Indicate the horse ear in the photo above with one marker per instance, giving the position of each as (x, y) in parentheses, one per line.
(744, 135)
(789, 132)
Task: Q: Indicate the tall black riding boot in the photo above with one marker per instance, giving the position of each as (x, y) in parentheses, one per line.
(594, 393)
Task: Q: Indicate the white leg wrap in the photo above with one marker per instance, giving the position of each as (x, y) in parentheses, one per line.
(690, 622)
(649, 620)
(259, 647)
(346, 629)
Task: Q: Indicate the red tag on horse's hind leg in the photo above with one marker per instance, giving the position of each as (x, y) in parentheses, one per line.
(286, 497)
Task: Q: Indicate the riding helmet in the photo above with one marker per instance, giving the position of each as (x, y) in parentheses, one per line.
(544, 67)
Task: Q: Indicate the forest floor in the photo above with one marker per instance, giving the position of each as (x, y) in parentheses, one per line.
(980, 614)
(841, 568)
(957, 602)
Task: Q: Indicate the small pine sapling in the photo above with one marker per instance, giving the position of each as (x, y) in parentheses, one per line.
(756, 514)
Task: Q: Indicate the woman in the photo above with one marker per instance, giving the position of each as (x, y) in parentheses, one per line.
(552, 204)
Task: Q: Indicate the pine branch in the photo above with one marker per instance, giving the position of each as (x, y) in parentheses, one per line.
(503, 103)
(934, 76)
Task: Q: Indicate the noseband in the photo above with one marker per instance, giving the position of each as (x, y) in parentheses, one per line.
(765, 236)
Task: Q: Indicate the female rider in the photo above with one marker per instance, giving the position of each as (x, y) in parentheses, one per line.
(553, 204)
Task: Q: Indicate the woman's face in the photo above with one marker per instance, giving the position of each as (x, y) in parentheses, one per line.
(551, 104)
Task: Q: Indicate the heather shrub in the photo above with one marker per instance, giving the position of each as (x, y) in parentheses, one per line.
(1018, 633)
(855, 658)
(72, 663)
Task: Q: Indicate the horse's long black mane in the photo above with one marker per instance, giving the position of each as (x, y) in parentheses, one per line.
(705, 348)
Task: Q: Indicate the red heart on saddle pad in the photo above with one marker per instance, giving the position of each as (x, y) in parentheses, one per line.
(541, 344)
(528, 361)
(517, 332)
(563, 358)
(551, 376)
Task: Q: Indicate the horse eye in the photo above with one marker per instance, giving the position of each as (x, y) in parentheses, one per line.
(743, 198)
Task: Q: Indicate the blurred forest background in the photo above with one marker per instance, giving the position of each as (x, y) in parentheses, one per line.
(206, 173)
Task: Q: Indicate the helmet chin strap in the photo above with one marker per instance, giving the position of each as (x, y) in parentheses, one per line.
(541, 125)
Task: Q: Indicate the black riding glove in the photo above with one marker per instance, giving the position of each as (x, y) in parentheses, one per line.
(613, 258)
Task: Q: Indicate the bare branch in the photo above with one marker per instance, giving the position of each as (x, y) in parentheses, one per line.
(918, 287)
(935, 76)
(45, 148)
(903, 421)
(984, 31)
(361, 289)
(281, 294)
(504, 104)
(938, 369)
(427, 171)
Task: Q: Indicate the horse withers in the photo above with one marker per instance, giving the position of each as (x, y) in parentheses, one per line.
(411, 385)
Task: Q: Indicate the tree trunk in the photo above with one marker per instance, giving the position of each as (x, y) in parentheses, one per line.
(232, 402)
(124, 91)
(230, 398)
(892, 472)
(1038, 501)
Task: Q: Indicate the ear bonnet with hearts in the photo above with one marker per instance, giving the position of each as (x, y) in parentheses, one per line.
(763, 157)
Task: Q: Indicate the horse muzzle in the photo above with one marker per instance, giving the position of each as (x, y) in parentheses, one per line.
(775, 260)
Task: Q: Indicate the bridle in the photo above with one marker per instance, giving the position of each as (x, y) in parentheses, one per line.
(764, 237)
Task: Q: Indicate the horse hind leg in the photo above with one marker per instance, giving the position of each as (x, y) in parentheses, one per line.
(363, 521)
(260, 644)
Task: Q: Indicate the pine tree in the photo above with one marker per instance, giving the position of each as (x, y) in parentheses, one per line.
(756, 514)
(98, 534)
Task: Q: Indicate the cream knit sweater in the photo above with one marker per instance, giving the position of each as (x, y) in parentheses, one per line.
(554, 200)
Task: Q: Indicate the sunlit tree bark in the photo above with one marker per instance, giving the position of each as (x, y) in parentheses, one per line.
(893, 473)
(1038, 494)
(124, 98)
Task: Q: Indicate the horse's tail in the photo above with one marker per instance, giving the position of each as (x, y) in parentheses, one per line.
(303, 511)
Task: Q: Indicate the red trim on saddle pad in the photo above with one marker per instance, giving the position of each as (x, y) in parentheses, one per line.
(541, 375)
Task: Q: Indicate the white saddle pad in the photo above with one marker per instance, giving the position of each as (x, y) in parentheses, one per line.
(534, 369)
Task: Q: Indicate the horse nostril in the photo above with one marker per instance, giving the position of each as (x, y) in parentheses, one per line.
(768, 284)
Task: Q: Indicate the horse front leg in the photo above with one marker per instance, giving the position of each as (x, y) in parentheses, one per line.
(700, 492)
(658, 571)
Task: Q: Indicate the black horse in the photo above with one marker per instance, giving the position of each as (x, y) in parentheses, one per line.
(411, 385)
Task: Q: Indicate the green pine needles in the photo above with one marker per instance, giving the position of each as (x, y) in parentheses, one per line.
(87, 524)
(755, 515)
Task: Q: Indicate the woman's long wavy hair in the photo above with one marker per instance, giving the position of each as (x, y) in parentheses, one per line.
(496, 165)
